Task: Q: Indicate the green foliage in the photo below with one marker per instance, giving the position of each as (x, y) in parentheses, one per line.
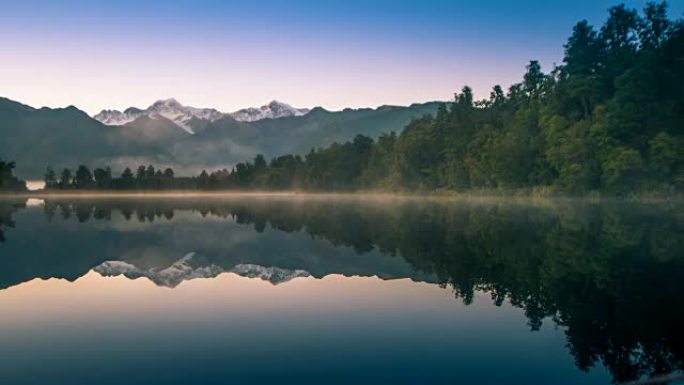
(103, 177)
(50, 178)
(666, 155)
(84, 178)
(622, 167)
(65, 179)
(381, 161)
(9, 182)
(571, 152)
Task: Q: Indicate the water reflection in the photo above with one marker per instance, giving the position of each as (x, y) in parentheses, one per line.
(7, 209)
(609, 274)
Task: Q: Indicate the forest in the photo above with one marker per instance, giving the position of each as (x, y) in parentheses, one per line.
(8, 181)
(609, 118)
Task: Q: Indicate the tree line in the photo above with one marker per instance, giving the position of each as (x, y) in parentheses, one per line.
(8, 181)
(145, 177)
(609, 118)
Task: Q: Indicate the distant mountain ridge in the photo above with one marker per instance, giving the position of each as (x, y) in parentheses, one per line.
(183, 115)
(188, 139)
(272, 110)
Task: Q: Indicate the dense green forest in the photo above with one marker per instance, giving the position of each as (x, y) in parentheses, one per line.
(9, 182)
(609, 118)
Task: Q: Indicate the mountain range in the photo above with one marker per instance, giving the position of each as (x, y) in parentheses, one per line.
(183, 116)
(187, 268)
(189, 139)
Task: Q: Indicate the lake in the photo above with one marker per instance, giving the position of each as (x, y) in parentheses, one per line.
(316, 289)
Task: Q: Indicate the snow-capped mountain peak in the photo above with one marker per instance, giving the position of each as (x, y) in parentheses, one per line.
(169, 109)
(169, 103)
(114, 117)
(181, 115)
(272, 110)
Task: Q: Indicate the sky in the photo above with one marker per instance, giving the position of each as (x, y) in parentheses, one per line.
(234, 54)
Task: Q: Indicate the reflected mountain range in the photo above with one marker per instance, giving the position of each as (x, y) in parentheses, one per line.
(190, 267)
(168, 242)
(609, 274)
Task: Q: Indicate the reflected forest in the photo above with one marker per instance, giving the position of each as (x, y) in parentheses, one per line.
(609, 275)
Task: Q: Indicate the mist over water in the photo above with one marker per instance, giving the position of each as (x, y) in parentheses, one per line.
(320, 289)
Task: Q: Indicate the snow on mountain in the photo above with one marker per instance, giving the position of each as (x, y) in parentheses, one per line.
(170, 109)
(272, 110)
(275, 275)
(186, 268)
(181, 115)
(114, 117)
(171, 276)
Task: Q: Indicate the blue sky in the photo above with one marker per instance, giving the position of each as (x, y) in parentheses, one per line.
(230, 54)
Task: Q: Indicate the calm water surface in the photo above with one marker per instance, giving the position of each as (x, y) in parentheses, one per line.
(338, 290)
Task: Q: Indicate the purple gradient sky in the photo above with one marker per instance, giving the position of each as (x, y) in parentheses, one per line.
(230, 55)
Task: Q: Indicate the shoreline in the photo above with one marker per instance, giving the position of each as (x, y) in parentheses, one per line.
(354, 195)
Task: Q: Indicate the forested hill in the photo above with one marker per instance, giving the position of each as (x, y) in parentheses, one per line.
(64, 137)
(610, 117)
